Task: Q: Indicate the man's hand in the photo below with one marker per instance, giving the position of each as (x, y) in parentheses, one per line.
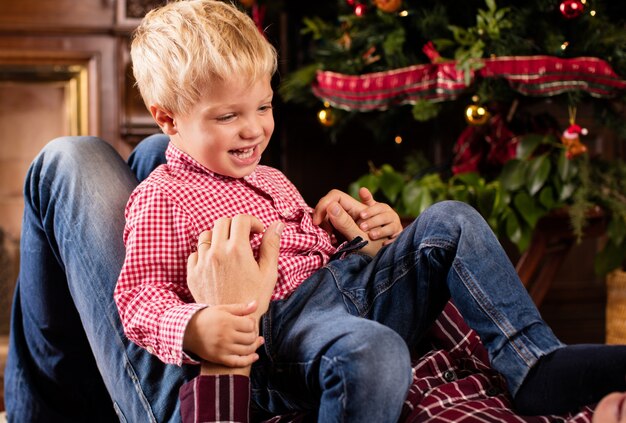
(375, 222)
(224, 272)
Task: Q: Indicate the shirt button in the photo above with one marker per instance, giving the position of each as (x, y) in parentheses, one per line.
(492, 391)
(449, 376)
(286, 213)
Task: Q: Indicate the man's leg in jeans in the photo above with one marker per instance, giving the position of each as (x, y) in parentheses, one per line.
(148, 154)
(64, 317)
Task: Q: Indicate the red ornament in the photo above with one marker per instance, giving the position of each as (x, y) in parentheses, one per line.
(430, 50)
(359, 9)
(351, 3)
(571, 8)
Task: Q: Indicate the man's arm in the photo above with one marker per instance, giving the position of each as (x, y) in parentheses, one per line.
(222, 393)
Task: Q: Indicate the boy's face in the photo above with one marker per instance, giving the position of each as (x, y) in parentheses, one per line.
(228, 129)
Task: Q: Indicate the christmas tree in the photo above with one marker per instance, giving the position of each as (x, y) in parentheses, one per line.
(519, 72)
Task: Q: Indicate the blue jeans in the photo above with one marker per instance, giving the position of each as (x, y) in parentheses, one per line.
(69, 360)
(340, 344)
(345, 334)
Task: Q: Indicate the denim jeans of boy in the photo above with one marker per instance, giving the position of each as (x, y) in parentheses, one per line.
(69, 360)
(346, 333)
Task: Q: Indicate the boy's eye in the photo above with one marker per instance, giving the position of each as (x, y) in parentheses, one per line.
(265, 107)
(225, 118)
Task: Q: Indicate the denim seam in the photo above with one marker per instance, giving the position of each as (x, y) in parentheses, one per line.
(334, 363)
(505, 326)
(483, 301)
(133, 377)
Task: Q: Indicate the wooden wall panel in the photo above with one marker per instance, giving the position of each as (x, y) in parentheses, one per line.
(57, 15)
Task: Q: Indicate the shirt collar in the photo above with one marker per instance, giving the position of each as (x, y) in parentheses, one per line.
(178, 161)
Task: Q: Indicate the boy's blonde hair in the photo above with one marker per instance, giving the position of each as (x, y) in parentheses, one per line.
(183, 48)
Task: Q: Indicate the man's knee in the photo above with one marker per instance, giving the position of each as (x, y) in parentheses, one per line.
(72, 147)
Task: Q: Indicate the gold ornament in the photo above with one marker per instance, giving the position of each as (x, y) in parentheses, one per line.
(326, 116)
(476, 115)
(389, 6)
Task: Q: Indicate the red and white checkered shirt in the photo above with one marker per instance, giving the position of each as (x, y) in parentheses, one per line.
(164, 217)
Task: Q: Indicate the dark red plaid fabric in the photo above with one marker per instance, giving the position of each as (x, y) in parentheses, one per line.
(452, 383)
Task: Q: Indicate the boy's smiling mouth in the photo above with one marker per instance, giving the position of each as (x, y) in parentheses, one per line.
(243, 153)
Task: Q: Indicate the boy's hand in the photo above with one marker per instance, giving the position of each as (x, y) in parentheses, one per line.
(224, 334)
(373, 221)
(379, 220)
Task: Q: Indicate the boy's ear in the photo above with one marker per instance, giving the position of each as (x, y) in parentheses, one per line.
(164, 119)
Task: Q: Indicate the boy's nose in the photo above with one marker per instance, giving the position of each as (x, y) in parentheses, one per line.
(252, 129)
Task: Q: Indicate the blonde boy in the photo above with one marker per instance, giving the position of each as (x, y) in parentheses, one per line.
(339, 330)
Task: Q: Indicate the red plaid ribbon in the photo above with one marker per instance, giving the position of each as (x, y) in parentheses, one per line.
(531, 76)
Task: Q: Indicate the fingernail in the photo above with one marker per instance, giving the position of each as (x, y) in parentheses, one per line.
(279, 228)
(334, 210)
(364, 226)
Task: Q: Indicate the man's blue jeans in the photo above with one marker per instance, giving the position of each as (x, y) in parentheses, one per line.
(69, 359)
(346, 332)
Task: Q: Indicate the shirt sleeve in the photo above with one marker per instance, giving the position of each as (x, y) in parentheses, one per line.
(224, 398)
(154, 302)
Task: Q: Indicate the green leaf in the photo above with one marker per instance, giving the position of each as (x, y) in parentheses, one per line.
(460, 193)
(468, 178)
(443, 43)
(537, 173)
(516, 231)
(416, 198)
(368, 181)
(525, 238)
(461, 35)
(498, 203)
(424, 110)
(567, 191)
(546, 198)
(391, 183)
(565, 167)
(512, 176)
(616, 230)
(527, 208)
(512, 227)
(528, 145)
(486, 201)
(392, 45)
